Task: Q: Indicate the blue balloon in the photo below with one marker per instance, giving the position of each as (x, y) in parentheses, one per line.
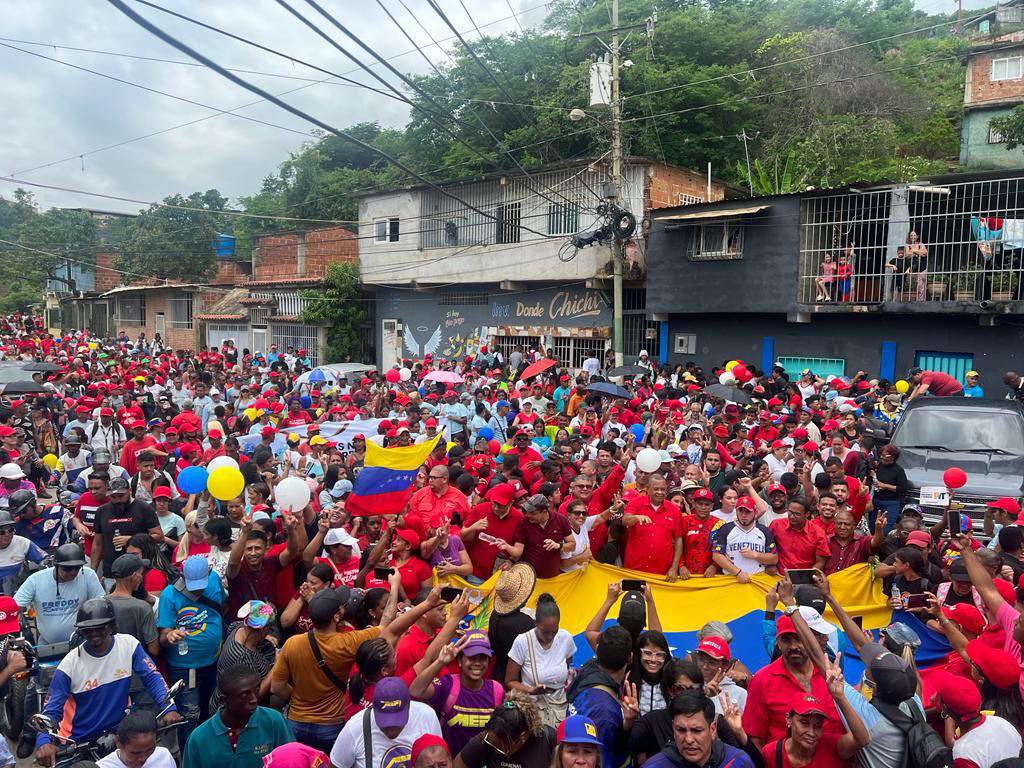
(193, 480)
(305, 401)
(486, 433)
(638, 432)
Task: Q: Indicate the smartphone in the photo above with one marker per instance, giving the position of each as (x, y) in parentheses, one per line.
(916, 601)
(631, 585)
(382, 574)
(448, 594)
(801, 575)
(859, 621)
(953, 522)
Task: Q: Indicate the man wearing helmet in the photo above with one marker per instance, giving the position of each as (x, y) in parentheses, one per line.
(101, 462)
(12, 478)
(45, 527)
(14, 549)
(55, 593)
(94, 679)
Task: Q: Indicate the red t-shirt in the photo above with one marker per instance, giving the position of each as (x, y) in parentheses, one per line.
(650, 546)
(798, 549)
(296, 419)
(771, 694)
(698, 536)
(413, 572)
(154, 581)
(344, 574)
(482, 550)
(856, 503)
(131, 450)
(825, 756)
(941, 384)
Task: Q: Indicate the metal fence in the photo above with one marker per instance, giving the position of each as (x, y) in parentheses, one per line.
(914, 243)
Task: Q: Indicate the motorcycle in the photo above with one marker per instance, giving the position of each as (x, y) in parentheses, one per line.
(12, 693)
(43, 660)
(73, 753)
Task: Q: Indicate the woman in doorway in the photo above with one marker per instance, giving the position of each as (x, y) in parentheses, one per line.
(916, 254)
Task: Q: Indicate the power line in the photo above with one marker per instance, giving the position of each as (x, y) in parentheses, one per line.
(151, 134)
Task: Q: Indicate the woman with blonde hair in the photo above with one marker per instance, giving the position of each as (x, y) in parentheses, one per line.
(514, 736)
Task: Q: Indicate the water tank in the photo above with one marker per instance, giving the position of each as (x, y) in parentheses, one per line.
(224, 246)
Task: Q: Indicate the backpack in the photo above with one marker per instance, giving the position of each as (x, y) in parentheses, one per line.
(925, 748)
(497, 690)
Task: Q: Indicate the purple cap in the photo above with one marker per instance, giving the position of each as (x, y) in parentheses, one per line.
(477, 643)
(391, 703)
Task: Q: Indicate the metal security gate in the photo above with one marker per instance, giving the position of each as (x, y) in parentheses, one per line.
(956, 364)
(218, 333)
(820, 366)
(299, 337)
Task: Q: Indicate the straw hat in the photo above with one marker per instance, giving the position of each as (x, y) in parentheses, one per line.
(514, 588)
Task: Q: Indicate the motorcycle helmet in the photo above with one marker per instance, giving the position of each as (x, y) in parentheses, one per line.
(95, 612)
(69, 555)
(19, 501)
(5, 519)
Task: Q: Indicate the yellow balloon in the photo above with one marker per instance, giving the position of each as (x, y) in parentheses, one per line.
(902, 386)
(731, 364)
(251, 413)
(225, 483)
(215, 425)
(50, 460)
(93, 345)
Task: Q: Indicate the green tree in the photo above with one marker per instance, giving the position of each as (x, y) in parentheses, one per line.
(174, 244)
(340, 307)
(1011, 127)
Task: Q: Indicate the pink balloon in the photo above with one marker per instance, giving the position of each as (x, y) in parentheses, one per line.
(392, 375)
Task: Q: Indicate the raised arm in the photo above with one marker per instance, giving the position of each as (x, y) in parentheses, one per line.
(297, 539)
(593, 630)
(238, 548)
(980, 576)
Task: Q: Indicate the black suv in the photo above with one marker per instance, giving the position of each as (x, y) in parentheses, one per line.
(983, 437)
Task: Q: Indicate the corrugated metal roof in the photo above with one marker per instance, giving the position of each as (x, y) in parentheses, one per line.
(716, 214)
(162, 287)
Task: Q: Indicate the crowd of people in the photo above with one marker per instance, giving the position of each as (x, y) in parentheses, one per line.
(298, 637)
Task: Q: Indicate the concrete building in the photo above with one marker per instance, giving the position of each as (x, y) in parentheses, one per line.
(993, 86)
(490, 258)
(739, 279)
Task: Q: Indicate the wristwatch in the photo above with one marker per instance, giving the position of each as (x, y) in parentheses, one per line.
(791, 609)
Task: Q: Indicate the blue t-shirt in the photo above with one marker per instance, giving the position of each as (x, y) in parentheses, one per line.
(56, 605)
(974, 391)
(201, 623)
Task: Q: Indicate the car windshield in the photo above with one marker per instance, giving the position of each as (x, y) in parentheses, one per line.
(973, 429)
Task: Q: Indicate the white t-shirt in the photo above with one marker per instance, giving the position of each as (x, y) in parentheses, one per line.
(725, 517)
(776, 466)
(349, 750)
(582, 542)
(160, 758)
(552, 670)
(995, 739)
(730, 539)
(769, 516)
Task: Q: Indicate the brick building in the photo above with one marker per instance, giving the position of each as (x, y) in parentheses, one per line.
(266, 309)
(993, 86)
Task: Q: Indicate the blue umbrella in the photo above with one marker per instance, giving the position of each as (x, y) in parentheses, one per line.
(607, 389)
(317, 375)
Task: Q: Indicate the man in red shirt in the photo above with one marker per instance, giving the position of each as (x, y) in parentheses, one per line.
(934, 383)
(487, 526)
(773, 689)
(139, 442)
(438, 498)
(529, 457)
(654, 535)
(855, 497)
(216, 446)
(801, 544)
(698, 534)
(296, 416)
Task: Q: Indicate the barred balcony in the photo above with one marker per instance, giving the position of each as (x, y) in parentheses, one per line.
(922, 243)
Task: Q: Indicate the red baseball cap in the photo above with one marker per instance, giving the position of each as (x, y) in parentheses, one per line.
(703, 494)
(808, 705)
(163, 492)
(431, 422)
(409, 536)
(426, 741)
(8, 616)
(799, 434)
(776, 487)
(778, 444)
(959, 696)
(6, 431)
(967, 616)
(1005, 503)
(720, 431)
(918, 539)
(811, 447)
(103, 411)
(746, 502)
(215, 434)
(502, 494)
(784, 626)
(997, 665)
(267, 431)
(715, 647)
(138, 424)
(764, 415)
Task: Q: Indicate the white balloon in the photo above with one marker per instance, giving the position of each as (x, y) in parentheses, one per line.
(292, 494)
(221, 461)
(727, 378)
(648, 460)
(404, 374)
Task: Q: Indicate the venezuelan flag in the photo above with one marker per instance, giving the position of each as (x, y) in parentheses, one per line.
(384, 484)
(685, 606)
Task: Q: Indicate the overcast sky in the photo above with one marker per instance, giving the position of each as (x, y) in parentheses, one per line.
(52, 111)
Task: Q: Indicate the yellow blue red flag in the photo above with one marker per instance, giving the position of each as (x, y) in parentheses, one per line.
(384, 484)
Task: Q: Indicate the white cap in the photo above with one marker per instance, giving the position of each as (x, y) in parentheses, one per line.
(214, 391)
(674, 450)
(339, 536)
(815, 622)
(643, 353)
(11, 471)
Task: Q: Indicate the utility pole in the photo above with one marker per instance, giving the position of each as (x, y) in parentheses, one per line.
(617, 250)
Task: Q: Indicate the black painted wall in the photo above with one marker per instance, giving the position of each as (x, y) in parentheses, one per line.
(764, 280)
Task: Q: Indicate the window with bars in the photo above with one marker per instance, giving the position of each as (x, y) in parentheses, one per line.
(506, 344)
(715, 242)
(685, 199)
(464, 299)
(181, 311)
(994, 136)
(131, 311)
(640, 333)
(572, 351)
(298, 337)
(563, 219)
(507, 218)
(259, 315)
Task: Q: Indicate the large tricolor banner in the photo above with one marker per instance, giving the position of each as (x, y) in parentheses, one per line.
(384, 484)
(686, 606)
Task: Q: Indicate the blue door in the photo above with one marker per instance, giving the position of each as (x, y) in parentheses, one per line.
(956, 364)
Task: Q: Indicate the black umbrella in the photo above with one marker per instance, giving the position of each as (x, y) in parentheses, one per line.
(629, 370)
(22, 388)
(606, 389)
(727, 393)
(42, 368)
